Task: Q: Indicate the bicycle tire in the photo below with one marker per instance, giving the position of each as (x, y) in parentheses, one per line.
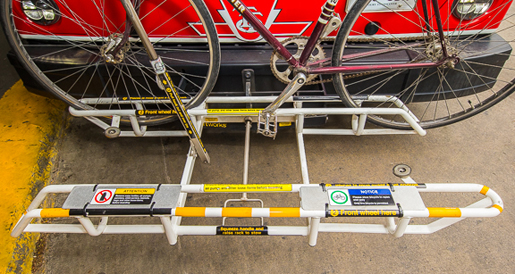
(437, 96)
(73, 66)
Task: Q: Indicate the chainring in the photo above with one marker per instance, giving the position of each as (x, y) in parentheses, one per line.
(277, 62)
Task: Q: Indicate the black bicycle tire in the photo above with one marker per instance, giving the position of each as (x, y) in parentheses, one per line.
(35, 72)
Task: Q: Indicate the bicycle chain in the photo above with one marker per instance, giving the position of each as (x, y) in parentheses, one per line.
(351, 40)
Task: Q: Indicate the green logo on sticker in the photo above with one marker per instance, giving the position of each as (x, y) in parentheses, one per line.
(339, 197)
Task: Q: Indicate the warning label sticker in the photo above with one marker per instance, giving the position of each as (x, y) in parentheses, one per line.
(247, 188)
(242, 230)
(226, 111)
(155, 112)
(371, 197)
(123, 196)
(103, 196)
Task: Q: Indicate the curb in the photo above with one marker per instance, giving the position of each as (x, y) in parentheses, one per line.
(30, 126)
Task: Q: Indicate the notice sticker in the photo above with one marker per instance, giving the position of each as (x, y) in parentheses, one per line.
(371, 197)
(242, 230)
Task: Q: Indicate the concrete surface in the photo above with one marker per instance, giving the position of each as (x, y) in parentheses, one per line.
(478, 150)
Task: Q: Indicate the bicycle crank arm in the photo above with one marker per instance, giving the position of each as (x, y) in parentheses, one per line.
(267, 122)
(165, 82)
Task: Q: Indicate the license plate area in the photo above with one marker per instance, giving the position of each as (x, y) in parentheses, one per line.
(385, 5)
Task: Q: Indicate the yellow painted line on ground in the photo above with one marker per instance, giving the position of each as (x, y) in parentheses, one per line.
(29, 125)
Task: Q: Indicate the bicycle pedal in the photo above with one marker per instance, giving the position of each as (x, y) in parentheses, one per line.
(267, 124)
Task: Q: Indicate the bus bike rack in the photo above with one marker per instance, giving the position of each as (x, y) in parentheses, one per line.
(401, 201)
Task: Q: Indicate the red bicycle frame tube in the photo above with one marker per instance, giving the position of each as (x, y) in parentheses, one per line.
(359, 68)
(264, 32)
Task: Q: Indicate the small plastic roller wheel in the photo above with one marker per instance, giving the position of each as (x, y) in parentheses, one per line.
(401, 170)
(112, 132)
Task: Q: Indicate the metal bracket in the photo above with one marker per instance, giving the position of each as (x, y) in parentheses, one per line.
(249, 83)
(334, 23)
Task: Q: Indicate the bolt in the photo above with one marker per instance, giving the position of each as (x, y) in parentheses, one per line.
(300, 81)
(248, 74)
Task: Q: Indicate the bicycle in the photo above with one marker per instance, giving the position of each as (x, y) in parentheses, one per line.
(101, 60)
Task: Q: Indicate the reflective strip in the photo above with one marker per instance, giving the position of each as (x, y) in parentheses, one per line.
(237, 212)
(190, 211)
(444, 212)
(484, 190)
(284, 212)
(54, 213)
(498, 207)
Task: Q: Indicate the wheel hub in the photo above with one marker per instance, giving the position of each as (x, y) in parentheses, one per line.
(111, 50)
(434, 52)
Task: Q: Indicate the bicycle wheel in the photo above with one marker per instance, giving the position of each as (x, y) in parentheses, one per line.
(481, 33)
(86, 54)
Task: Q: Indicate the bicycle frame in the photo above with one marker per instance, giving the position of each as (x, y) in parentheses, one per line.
(267, 123)
(300, 64)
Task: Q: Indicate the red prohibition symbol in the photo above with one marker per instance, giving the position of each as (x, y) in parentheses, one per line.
(103, 196)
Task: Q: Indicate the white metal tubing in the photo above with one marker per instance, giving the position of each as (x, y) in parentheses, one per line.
(334, 131)
(25, 221)
(156, 133)
(401, 226)
(314, 224)
(47, 190)
(90, 228)
(353, 228)
(248, 126)
(115, 121)
(237, 99)
(354, 123)
(101, 112)
(443, 222)
(303, 159)
(192, 230)
(361, 124)
(159, 229)
(333, 111)
(109, 101)
(285, 230)
(171, 235)
(101, 124)
(392, 99)
(451, 188)
(33, 211)
(139, 131)
(299, 127)
(472, 188)
(391, 226)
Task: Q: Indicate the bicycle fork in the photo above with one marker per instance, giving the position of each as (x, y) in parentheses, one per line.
(165, 82)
